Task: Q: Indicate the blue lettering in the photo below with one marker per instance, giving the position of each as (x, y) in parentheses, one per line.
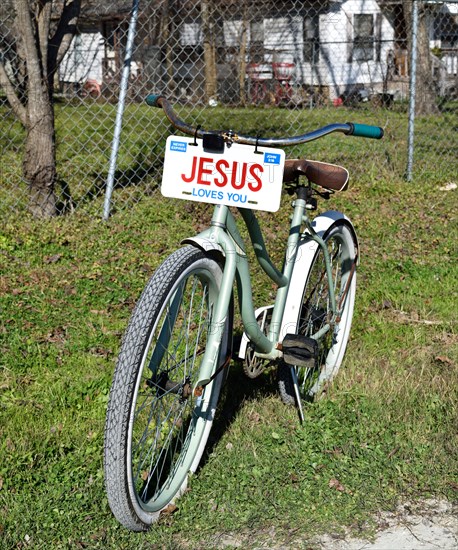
(271, 158)
(213, 194)
(235, 197)
(179, 146)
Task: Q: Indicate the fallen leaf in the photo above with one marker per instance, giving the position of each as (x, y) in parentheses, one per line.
(393, 452)
(169, 510)
(444, 359)
(335, 484)
(53, 259)
(254, 417)
(99, 535)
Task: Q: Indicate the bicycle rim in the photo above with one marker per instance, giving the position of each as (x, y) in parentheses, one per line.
(316, 311)
(167, 421)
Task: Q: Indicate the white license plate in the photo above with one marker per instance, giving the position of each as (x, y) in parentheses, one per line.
(238, 176)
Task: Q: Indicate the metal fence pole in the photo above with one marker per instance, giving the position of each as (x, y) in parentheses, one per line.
(331, 51)
(412, 84)
(120, 111)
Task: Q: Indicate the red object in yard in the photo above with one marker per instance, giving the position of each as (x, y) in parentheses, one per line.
(338, 102)
(259, 74)
(92, 88)
(283, 71)
(259, 71)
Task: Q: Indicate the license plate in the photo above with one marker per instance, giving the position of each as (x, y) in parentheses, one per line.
(237, 176)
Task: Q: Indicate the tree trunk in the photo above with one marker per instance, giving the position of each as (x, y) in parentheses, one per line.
(40, 47)
(166, 23)
(242, 54)
(425, 92)
(39, 161)
(211, 84)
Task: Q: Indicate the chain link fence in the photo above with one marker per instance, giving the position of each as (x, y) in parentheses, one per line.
(279, 67)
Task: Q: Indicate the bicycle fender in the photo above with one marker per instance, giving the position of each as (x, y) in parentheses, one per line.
(204, 244)
(322, 223)
(304, 257)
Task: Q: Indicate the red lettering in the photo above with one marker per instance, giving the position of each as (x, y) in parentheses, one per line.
(234, 183)
(255, 186)
(219, 167)
(203, 171)
(188, 179)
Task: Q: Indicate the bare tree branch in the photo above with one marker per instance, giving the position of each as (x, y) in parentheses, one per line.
(18, 108)
(66, 29)
(44, 22)
(32, 59)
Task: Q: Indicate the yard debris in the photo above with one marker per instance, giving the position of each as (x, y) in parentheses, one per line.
(444, 359)
(335, 484)
(448, 187)
(169, 510)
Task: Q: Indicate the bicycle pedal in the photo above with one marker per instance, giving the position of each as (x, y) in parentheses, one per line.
(300, 351)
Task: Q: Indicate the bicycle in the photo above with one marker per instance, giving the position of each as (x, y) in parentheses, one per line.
(178, 343)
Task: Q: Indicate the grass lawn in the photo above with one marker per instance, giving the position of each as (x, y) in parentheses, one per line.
(386, 432)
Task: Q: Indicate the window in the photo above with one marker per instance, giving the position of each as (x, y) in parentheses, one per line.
(363, 37)
(311, 40)
(256, 38)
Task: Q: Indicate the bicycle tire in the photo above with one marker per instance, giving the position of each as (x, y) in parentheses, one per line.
(315, 310)
(156, 429)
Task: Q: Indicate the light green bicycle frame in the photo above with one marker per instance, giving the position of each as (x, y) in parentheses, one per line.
(224, 233)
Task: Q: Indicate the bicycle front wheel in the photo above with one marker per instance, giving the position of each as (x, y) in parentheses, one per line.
(156, 428)
(315, 312)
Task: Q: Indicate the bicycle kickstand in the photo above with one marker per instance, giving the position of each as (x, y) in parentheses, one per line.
(296, 393)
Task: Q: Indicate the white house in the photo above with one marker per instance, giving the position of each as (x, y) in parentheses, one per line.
(338, 45)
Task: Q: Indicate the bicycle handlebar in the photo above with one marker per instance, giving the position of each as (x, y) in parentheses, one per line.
(348, 128)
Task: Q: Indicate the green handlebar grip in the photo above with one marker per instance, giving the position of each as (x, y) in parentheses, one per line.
(364, 130)
(152, 100)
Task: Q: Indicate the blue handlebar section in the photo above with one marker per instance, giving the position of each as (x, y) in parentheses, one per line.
(152, 100)
(364, 130)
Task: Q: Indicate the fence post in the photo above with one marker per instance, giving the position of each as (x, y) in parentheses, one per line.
(120, 111)
(412, 85)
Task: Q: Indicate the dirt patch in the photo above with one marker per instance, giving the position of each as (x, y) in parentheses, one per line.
(428, 525)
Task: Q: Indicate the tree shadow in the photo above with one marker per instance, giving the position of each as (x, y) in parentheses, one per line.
(138, 174)
(141, 173)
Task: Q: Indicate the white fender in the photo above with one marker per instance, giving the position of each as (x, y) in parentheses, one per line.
(205, 244)
(305, 254)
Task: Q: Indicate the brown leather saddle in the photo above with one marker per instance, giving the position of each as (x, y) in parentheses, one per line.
(329, 176)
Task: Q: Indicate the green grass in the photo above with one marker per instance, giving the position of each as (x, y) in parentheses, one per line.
(84, 134)
(386, 432)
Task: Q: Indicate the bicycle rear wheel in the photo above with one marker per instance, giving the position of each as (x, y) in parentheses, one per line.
(156, 428)
(315, 312)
